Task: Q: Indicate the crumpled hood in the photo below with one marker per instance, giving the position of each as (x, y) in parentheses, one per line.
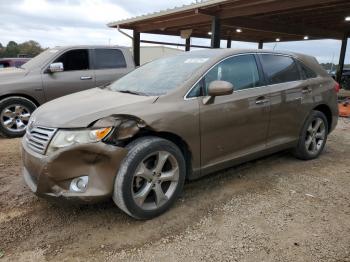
(11, 73)
(81, 109)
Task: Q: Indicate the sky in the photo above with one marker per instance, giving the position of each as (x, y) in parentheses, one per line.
(71, 22)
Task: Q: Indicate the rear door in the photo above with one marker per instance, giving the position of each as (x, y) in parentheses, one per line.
(235, 125)
(109, 65)
(288, 90)
(77, 75)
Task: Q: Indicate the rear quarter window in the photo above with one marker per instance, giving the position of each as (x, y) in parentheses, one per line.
(109, 59)
(306, 72)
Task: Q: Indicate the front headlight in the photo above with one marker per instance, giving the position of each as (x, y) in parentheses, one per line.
(64, 138)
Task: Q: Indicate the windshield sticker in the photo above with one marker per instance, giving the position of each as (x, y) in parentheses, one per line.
(196, 60)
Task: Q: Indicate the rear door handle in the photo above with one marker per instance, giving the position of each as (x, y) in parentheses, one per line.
(85, 77)
(261, 100)
(306, 90)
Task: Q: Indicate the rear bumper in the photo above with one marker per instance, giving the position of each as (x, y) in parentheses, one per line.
(50, 176)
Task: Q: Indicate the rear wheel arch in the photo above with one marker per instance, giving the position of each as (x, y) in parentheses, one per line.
(327, 112)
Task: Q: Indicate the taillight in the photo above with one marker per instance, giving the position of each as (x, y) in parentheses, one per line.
(337, 87)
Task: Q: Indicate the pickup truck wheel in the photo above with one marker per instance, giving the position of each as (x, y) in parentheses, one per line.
(150, 178)
(14, 116)
(313, 136)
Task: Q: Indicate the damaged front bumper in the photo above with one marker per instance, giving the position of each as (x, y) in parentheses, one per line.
(51, 176)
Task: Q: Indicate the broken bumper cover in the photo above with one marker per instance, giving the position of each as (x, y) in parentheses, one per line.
(51, 176)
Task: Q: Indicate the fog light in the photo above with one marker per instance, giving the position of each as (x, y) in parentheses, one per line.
(79, 184)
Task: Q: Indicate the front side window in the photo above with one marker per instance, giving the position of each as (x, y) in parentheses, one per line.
(109, 59)
(75, 60)
(241, 71)
(280, 69)
(196, 91)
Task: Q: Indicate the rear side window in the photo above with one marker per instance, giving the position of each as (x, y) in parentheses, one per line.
(306, 72)
(280, 69)
(109, 58)
(74, 60)
(241, 71)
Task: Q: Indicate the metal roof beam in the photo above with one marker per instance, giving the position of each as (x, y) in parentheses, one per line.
(268, 26)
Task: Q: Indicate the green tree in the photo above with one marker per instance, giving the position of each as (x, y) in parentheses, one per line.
(2, 49)
(11, 49)
(30, 48)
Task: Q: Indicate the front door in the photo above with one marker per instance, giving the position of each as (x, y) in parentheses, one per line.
(235, 125)
(77, 75)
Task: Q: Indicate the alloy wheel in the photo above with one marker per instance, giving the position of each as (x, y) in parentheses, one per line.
(315, 136)
(15, 118)
(155, 180)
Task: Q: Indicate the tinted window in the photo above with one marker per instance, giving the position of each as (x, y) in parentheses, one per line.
(75, 60)
(306, 72)
(280, 69)
(241, 71)
(109, 58)
(196, 90)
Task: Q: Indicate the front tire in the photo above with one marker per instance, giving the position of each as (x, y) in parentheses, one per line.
(150, 178)
(313, 136)
(14, 116)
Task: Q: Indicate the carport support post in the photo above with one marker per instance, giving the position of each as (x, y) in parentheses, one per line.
(136, 47)
(342, 56)
(229, 42)
(188, 44)
(215, 32)
(261, 44)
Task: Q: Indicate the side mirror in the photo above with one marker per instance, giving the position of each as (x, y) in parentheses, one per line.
(56, 67)
(220, 88)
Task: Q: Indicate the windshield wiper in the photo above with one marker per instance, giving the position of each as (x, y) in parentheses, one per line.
(132, 92)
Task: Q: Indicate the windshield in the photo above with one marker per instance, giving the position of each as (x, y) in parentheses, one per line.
(160, 76)
(40, 59)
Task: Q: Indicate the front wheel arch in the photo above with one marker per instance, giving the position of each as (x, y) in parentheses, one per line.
(177, 140)
(30, 98)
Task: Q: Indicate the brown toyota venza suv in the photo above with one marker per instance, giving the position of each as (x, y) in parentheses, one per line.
(177, 118)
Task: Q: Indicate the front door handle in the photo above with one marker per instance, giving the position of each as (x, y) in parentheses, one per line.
(261, 101)
(85, 77)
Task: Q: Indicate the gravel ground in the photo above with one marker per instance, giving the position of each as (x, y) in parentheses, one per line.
(273, 209)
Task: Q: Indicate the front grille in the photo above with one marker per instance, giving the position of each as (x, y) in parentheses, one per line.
(38, 138)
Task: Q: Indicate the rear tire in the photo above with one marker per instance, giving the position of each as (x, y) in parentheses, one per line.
(14, 116)
(150, 178)
(313, 136)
